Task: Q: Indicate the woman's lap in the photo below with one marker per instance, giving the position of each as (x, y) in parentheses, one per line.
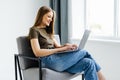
(63, 61)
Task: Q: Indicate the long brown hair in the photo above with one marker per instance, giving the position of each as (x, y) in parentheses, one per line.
(41, 12)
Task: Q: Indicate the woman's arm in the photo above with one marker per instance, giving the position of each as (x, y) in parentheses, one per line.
(44, 52)
(57, 45)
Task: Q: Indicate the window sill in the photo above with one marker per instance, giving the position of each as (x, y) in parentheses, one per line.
(99, 39)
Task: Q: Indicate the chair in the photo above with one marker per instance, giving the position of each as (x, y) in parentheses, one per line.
(30, 67)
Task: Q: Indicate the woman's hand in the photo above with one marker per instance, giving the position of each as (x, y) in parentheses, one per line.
(70, 46)
(75, 46)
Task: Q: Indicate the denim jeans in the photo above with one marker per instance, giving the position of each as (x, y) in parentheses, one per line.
(73, 62)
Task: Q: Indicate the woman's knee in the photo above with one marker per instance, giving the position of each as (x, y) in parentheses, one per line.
(88, 63)
(86, 54)
(84, 51)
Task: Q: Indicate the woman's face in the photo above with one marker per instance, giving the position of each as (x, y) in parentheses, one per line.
(47, 18)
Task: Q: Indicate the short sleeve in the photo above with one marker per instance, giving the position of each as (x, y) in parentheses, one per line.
(33, 33)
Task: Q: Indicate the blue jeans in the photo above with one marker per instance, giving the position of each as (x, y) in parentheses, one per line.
(73, 62)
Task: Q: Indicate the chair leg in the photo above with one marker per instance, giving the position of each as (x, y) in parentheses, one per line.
(19, 68)
(15, 67)
(40, 69)
(82, 76)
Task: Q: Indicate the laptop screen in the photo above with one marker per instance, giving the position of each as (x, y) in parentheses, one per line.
(84, 39)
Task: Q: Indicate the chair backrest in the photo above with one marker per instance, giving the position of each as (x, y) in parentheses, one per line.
(24, 48)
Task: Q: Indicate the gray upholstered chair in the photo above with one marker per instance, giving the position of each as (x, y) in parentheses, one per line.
(31, 68)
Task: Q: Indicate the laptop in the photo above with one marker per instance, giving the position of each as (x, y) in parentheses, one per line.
(82, 42)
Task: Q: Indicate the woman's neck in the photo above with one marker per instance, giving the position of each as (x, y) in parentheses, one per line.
(41, 26)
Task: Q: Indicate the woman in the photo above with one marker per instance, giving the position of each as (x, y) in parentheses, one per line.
(44, 45)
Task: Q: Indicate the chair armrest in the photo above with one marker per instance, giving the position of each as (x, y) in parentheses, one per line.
(28, 57)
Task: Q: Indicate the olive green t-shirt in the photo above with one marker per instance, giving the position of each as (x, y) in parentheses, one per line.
(43, 37)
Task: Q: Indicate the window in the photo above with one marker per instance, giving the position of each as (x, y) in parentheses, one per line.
(77, 18)
(100, 16)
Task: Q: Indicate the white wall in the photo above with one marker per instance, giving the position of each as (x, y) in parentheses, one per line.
(16, 17)
(107, 54)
